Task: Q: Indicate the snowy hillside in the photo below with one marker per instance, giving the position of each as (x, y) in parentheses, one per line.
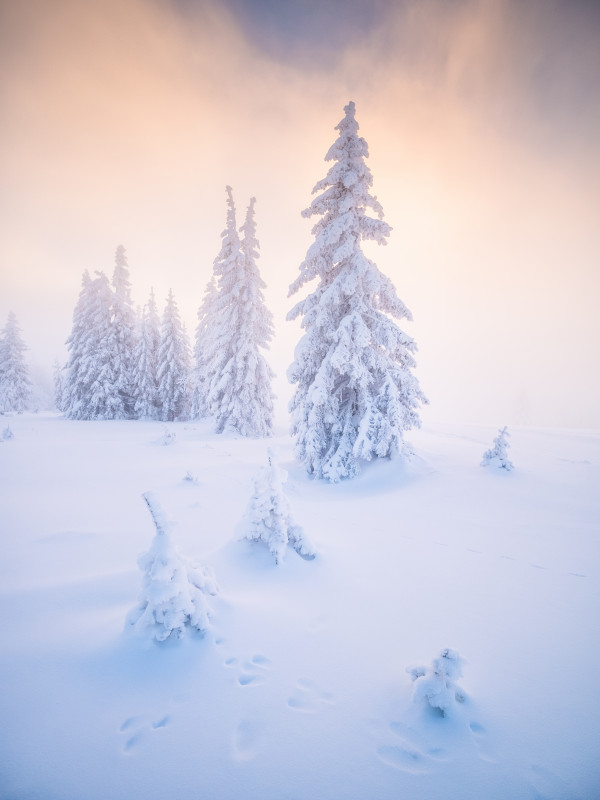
(299, 691)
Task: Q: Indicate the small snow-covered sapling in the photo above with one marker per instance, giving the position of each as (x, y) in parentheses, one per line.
(497, 455)
(174, 592)
(268, 517)
(7, 434)
(168, 437)
(437, 684)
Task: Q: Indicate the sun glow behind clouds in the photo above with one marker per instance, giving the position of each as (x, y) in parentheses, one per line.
(125, 121)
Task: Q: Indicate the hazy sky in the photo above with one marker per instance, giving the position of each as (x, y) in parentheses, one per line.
(121, 122)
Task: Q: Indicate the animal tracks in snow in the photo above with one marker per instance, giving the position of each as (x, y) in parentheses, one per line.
(403, 757)
(135, 729)
(480, 740)
(419, 751)
(504, 557)
(246, 740)
(308, 698)
(252, 671)
(405, 749)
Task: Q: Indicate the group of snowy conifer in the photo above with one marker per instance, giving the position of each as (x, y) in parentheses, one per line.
(121, 366)
(355, 391)
(126, 367)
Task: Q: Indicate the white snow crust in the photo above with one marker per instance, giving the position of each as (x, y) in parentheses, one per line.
(298, 688)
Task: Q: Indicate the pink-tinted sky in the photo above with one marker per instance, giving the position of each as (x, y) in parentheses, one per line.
(123, 120)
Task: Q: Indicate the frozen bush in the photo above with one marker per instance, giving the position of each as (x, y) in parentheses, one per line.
(174, 593)
(268, 517)
(497, 455)
(437, 684)
(168, 437)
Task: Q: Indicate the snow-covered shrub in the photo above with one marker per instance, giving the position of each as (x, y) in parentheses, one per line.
(168, 437)
(268, 518)
(497, 455)
(6, 434)
(437, 684)
(189, 477)
(174, 593)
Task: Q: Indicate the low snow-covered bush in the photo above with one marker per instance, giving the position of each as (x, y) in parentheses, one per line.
(168, 437)
(497, 455)
(437, 684)
(268, 517)
(6, 434)
(174, 592)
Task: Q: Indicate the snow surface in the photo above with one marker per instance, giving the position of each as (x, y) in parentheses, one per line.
(299, 690)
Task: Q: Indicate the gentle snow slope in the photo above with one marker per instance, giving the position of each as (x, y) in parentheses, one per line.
(299, 691)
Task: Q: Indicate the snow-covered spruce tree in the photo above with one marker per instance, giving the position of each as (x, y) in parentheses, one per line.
(74, 391)
(200, 378)
(498, 454)
(215, 336)
(125, 337)
(173, 365)
(145, 378)
(174, 593)
(240, 396)
(58, 378)
(355, 393)
(90, 390)
(268, 518)
(436, 685)
(15, 386)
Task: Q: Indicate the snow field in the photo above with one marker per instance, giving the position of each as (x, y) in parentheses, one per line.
(299, 690)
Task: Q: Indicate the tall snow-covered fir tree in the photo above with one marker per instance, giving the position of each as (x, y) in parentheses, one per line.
(240, 396)
(145, 377)
(227, 267)
(73, 389)
(15, 386)
(91, 385)
(173, 365)
(355, 392)
(125, 337)
(200, 379)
